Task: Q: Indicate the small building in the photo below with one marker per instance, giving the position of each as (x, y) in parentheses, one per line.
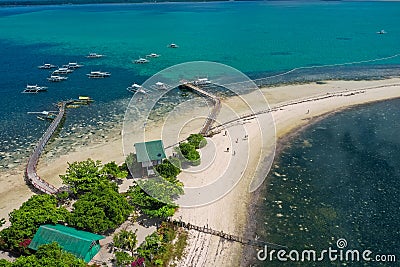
(83, 245)
(149, 154)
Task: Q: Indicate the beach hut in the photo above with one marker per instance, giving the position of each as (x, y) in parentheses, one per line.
(149, 154)
(83, 245)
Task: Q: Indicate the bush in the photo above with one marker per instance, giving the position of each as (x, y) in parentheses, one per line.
(189, 152)
(168, 170)
(197, 140)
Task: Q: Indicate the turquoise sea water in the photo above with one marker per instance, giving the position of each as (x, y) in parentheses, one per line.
(339, 178)
(258, 38)
(261, 39)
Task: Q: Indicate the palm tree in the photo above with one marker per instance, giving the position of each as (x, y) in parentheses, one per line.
(126, 240)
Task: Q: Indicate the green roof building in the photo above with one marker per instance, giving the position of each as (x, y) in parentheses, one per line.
(83, 245)
(150, 154)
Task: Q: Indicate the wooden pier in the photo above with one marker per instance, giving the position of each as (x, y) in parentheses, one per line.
(227, 236)
(212, 117)
(30, 172)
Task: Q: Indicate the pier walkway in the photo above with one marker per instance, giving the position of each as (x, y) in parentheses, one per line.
(212, 117)
(244, 241)
(30, 172)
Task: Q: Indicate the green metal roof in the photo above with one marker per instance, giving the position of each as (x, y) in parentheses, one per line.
(147, 151)
(80, 243)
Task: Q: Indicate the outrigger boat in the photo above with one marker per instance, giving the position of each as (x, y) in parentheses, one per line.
(32, 89)
(381, 32)
(136, 88)
(85, 98)
(82, 100)
(47, 66)
(202, 81)
(94, 55)
(56, 78)
(62, 71)
(46, 115)
(173, 45)
(73, 65)
(152, 55)
(98, 74)
(141, 61)
(160, 86)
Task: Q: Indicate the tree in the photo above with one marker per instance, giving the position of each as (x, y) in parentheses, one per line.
(149, 205)
(113, 171)
(188, 153)
(100, 210)
(197, 140)
(83, 176)
(38, 210)
(50, 255)
(126, 240)
(151, 246)
(168, 171)
(4, 263)
(123, 259)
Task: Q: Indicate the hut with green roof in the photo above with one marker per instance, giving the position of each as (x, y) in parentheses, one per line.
(149, 154)
(84, 245)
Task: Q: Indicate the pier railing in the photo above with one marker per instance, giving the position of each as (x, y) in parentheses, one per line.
(31, 168)
(212, 117)
(230, 237)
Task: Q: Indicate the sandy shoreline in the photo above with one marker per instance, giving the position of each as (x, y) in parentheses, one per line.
(294, 107)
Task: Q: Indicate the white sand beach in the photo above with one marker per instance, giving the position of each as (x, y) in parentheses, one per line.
(294, 106)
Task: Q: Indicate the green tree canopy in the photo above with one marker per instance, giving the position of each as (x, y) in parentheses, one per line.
(50, 255)
(197, 140)
(83, 176)
(149, 205)
(151, 246)
(189, 152)
(38, 210)
(100, 210)
(113, 171)
(168, 171)
(125, 240)
(89, 175)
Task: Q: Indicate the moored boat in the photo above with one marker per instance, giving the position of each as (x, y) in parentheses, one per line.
(152, 55)
(47, 66)
(160, 86)
(73, 65)
(202, 81)
(94, 55)
(136, 88)
(173, 45)
(34, 89)
(63, 70)
(141, 61)
(56, 78)
(98, 74)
